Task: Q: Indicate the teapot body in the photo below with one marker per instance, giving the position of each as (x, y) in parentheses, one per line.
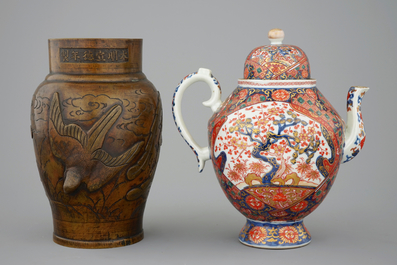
(276, 147)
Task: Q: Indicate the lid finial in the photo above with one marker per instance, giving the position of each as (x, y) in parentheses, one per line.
(276, 36)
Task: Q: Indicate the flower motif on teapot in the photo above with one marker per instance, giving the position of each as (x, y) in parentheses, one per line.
(274, 150)
(280, 142)
(274, 235)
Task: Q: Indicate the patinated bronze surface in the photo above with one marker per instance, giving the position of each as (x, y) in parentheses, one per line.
(96, 126)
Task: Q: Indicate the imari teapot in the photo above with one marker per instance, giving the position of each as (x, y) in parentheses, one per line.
(275, 143)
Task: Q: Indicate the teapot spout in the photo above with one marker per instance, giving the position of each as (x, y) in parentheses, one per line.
(355, 132)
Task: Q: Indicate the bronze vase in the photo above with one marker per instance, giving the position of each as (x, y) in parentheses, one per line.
(96, 127)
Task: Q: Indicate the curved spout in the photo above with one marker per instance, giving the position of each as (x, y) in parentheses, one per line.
(355, 132)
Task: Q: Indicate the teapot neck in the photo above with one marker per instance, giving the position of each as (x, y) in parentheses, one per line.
(303, 83)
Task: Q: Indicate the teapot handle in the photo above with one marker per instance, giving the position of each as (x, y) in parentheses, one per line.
(202, 153)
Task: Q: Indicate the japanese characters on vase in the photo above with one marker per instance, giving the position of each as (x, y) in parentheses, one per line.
(90, 55)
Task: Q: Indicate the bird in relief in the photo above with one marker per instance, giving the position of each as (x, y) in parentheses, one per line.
(81, 152)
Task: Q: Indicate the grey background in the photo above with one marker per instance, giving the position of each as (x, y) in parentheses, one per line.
(188, 220)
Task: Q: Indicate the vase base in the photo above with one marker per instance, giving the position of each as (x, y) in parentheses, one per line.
(122, 242)
(274, 235)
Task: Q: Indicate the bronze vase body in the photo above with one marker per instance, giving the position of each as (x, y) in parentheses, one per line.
(96, 126)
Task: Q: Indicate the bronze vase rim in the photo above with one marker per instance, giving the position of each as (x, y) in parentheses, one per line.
(93, 39)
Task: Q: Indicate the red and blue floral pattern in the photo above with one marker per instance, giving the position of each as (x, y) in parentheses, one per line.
(274, 235)
(277, 62)
(276, 153)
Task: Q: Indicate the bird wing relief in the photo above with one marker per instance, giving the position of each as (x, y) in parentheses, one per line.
(109, 165)
(120, 160)
(96, 137)
(61, 134)
(97, 133)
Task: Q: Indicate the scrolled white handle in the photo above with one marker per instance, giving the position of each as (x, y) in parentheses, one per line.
(204, 75)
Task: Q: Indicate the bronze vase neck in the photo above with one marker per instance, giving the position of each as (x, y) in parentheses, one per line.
(95, 56)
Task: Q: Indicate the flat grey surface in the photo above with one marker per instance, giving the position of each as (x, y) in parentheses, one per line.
(188, 220)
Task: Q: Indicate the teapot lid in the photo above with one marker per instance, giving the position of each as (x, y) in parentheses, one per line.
(277, 61)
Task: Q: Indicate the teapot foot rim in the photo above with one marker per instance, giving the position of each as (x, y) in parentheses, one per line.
(274, 235)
